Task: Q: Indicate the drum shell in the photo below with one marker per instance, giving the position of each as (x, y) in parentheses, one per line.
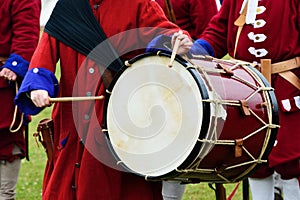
(219, 162)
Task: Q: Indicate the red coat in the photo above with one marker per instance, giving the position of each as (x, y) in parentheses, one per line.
(76, 172)
(19, 33)
(280, 23)
(192, 15)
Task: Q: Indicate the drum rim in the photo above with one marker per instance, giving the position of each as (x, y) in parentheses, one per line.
(275, 118)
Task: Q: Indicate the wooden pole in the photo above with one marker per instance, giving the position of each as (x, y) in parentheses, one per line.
(220, 192)
(170, 11)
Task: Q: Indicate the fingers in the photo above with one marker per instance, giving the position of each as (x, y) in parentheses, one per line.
(40, 98)
(8, 74)
(177, 36)
(185, 46)
(185, 42)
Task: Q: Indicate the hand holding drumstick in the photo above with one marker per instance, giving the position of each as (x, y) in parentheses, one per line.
(181, 44)
(41, 98)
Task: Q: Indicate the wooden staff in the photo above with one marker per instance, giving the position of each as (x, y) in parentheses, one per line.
(170, 11)
(66, 99)
(175, 49)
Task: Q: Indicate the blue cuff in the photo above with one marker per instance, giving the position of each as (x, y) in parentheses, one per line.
(160, 43)
(35, 79)
(202, 47)
(16, 64)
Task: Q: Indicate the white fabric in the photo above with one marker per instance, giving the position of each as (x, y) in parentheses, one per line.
(259, 23)
(286, 104)
(297, 101)
(251, 10)
(260, 10)
(278, 184)
(257, 37)
(47, 7)
(257, 52)
(291, 190)
(218, 4)
(262, 188)
(172, 190)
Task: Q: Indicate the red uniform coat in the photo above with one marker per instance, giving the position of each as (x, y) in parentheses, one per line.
(276, 35)
(19, 34)
(192, 15)
(76, 172)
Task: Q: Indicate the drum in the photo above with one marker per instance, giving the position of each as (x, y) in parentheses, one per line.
(192, 120)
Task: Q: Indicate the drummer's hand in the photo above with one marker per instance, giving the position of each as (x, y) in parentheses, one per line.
(185, 42)
(40, 98)
(8, 74)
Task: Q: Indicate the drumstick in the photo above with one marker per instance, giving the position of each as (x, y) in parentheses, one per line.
(175, 49)
(66, 99)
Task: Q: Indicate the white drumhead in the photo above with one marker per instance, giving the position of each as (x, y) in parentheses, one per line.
(154, 116)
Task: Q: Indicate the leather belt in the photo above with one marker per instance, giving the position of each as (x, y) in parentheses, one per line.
(283, 69)
(286, 65)
(283, 66)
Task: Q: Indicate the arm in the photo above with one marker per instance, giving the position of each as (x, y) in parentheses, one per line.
(24, 19)
(40, 78)
(37, 86)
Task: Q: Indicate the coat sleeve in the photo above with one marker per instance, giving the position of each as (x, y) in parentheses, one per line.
(26, 27)
(40, 75)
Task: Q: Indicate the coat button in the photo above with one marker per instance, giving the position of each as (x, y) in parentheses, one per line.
(91, 70)
(35, 70)
(77, 165)
(14, 63)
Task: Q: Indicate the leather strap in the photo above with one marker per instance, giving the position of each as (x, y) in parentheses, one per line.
(240, 22)
(291, 77)
(265, 68)
(283, 69)
(286, 65)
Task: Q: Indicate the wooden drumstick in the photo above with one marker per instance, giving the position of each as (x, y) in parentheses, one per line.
(66, 99)
(175, 49)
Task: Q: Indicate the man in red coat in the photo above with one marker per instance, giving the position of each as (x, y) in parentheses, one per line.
(268, 30)
(191, 15)
(19, 33)
(80, 167)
